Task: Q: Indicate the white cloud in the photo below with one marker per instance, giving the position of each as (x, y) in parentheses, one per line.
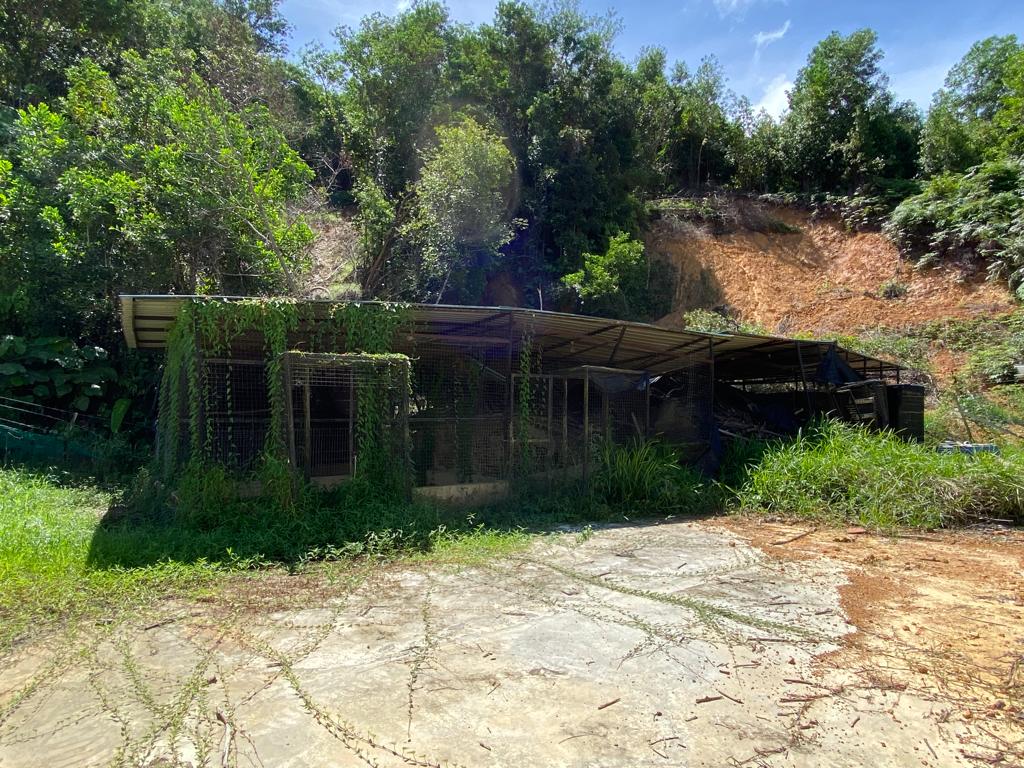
(403, 5)
(761, 39)
(774, 100)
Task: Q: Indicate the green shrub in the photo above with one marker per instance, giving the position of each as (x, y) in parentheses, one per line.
(53, 370)
(978, 214)
(709, 321)
(892, 289)
(839, 473)
(623, 282)
(646, 477)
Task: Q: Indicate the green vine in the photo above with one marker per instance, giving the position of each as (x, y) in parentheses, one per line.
(524, 406)
(214, 326)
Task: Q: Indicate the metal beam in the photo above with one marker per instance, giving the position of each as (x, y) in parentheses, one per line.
(615, 349)
(595, 332)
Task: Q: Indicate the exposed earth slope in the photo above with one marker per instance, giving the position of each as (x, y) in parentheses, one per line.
(820, 279)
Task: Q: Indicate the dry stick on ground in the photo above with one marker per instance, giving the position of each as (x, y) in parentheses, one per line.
(780, 542)
(226, 746)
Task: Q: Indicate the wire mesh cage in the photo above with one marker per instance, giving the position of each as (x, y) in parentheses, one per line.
(458, 419)
(345, 410)
(237, 411)
(561, 418)
(682, 408)
(452, 409)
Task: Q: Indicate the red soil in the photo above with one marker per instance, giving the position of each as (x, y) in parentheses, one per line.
(823, 280)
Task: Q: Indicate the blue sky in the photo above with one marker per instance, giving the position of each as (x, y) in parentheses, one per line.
(761, 43)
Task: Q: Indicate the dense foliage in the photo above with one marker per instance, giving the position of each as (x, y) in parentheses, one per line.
(840, 473)
(172, 145)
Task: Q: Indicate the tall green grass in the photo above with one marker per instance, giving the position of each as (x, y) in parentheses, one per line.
(646, 477)
(840, 473)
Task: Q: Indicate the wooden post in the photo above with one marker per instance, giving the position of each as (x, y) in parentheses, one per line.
(551, 394)
(647, 406)
(586, 428)
(510, 382)
(565, 421)
(711, 358)
(290, 411)
(406, 437)
(307, 426)
(803, 378)
(351, 424)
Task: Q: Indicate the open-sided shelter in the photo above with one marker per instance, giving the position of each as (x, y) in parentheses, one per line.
(459, 395)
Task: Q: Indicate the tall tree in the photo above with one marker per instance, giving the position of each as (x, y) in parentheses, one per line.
(461, 211)
(844, 125)
(959, 128)
(148, 182)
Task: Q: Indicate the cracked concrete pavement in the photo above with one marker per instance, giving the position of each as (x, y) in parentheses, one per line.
(676, 644)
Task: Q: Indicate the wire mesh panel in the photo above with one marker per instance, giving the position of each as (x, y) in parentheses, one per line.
(547, 423)
(237, 411)
(458, 419)
(562, 418)
(338, 404)
(682, 406)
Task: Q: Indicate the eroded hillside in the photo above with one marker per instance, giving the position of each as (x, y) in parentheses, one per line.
(818, 278)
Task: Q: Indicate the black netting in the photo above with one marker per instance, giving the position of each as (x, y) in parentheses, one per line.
(237, 411)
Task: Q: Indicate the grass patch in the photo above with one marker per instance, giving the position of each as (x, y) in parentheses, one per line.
(47, 526)
(70, 550)
(842, 474)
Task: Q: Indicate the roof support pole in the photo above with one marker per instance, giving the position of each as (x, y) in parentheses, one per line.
(803, 377)
(711, 376)
(511, 399)
(586, 429)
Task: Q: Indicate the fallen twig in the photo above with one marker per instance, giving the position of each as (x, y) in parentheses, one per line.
(161, 623)
(780, 542)
(667, 738)
(609, 703)
(800, 699)
(706, 699)
(225, 751)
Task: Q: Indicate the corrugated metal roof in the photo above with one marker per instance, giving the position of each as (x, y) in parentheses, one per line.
(572, 339)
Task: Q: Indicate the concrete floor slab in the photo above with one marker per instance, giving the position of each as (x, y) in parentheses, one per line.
(678, 644)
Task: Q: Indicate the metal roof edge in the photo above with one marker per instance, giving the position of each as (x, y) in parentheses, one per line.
(128, 307)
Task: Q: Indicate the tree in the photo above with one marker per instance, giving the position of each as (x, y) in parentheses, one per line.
(622, 282)
(759, 156)
(959, 128)
(147, 182)
(657, 113)
(40, 39)
(844, 125)
(461, 210)
(1009, 118)
(703, 131)
(390, 72)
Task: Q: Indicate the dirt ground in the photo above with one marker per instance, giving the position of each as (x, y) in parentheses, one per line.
(822, 280)
(715, 643)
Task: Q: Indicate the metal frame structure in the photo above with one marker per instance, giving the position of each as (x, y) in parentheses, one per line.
(459, 422)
